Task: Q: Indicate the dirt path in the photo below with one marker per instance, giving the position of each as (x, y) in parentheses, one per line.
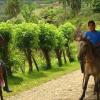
(68, 87)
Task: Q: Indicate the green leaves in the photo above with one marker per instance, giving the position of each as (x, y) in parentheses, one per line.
(13, 8)
(60, 40)
(47, 36)
(30, 35)
(96, 6)
(6, 31)
(67, 29)
(27, 36)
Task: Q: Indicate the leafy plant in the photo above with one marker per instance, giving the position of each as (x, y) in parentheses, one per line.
(26, 40)
(60, 47)
(67, 30)
(48, 41)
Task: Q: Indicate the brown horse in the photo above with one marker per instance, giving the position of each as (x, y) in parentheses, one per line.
(92, 66)
(1, 82)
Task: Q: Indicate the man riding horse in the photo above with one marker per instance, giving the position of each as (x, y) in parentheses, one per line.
(94, 37)
(3, 66)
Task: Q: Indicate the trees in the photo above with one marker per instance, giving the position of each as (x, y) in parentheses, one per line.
(96, 6)
(28, 37)
(27, 12)
(59, 47)
(67, 30)
(12, 8)
(75, 5)
(65, 2)
(48, 41)
(26, 40)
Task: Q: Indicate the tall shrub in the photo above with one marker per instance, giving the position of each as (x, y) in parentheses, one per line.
(26, 40)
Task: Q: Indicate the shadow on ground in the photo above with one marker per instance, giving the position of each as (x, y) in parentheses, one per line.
(15, 80)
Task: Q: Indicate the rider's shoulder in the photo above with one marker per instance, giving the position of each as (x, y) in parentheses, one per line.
(86, 33)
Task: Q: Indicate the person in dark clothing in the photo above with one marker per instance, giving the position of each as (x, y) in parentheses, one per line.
(94, 37)
(3, 65)
(5, 88)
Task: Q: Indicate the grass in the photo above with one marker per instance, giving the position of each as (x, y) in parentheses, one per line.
(21, 82)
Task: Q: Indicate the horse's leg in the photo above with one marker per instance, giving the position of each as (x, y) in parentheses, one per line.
(94, 86)
(85, 86)
(97, 89)
(83, 81)
(1, 93)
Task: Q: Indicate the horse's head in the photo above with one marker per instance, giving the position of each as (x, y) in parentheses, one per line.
(85, 47)
(82, 49)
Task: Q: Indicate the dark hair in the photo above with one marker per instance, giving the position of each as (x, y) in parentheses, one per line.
(91, 22)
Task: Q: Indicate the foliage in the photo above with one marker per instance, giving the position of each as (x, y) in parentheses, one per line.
(5, 31)
(48, 41)
(51, 15)
(61, 40)
(13, 8)
(96, 6)
(47, 36)
(59, 49)
(98, 28)
(26, 36)
(26, 40)
(75, 5)
(67, 29)
(27, 12)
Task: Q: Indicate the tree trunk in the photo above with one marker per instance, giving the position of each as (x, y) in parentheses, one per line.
(35, 63)
(68, 51)
(28, 54)
(47, 57)
(58, 54)
(64, 55)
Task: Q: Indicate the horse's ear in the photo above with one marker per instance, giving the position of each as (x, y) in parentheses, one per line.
(78, 33)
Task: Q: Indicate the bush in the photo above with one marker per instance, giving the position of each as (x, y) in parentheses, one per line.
(96, 6)
(67, 30)
(26, 39)
(60, 46)
(48, 41)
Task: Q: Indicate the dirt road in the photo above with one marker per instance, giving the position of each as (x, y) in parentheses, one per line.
(67, 87)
